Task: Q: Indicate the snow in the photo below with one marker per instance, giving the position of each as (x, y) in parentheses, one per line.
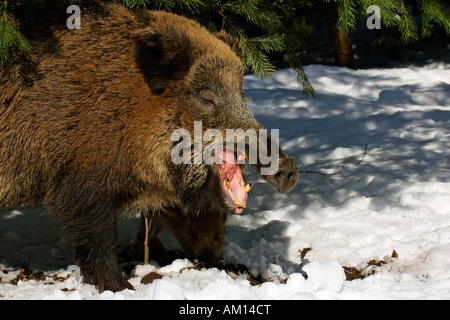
(373, 151)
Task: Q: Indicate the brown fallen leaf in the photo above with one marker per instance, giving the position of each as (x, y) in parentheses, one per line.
(149, 278)
(303, 252)
(394, 254)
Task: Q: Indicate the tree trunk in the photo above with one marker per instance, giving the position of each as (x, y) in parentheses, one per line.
(343, 51)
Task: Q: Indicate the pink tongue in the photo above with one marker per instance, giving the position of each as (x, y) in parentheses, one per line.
(230, 170)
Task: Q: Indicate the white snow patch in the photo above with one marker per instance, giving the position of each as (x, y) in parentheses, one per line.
(352, 203)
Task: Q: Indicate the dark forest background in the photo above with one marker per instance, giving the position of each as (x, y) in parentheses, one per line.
(284, 33)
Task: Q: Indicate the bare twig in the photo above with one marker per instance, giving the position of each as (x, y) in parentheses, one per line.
(365, 150)
(333, 173)
(316, 172)
(148, 224)
(321, 173)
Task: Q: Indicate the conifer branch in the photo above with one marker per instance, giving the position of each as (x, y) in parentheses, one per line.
(406, 25)
(10, 37)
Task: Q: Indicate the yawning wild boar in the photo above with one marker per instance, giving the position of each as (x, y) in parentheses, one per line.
(87, 122)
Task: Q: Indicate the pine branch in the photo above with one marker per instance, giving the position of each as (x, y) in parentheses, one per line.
(133, 4)
(302, 78)
(432, 10)
(252, 57)
(269, 43)
(406, 24)
(10, 37)
(263, 19)
(346, 16)
(387, 11)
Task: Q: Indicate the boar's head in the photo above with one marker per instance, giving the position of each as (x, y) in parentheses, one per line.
(201, 75)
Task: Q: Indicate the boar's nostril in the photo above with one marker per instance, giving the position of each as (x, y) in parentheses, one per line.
(279, 174)
(284, 179)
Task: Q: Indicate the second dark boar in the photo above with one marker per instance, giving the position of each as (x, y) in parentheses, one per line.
(200, 237)
(86, 122)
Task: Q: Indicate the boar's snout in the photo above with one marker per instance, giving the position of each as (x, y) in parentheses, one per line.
(207, 258)
(286, 176)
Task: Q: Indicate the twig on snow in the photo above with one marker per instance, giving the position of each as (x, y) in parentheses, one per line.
(364, 154)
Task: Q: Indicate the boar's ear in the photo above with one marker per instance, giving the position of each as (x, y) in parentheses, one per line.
(162, 57)
(229, 40)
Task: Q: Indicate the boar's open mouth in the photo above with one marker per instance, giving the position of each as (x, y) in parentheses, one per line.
(232, 179)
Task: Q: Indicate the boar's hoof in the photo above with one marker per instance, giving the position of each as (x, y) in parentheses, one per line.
(103, 279)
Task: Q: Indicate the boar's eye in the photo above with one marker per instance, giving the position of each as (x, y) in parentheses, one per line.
(217, 236)
(208, 98)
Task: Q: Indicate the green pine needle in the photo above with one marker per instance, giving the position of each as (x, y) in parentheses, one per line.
(346, 16)
(10, 37)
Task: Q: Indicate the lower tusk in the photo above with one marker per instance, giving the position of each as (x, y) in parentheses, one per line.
(248, 187)
(227, 184)
(240, 205)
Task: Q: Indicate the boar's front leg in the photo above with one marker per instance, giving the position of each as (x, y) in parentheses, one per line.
(95, 254)
(92, 226)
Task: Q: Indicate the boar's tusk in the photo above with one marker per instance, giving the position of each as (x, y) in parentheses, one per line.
(242, 156)
(240, 205)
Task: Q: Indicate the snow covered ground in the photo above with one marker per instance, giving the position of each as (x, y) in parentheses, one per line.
(373, 148)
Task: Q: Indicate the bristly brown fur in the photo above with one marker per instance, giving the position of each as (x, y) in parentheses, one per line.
(86, 122)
